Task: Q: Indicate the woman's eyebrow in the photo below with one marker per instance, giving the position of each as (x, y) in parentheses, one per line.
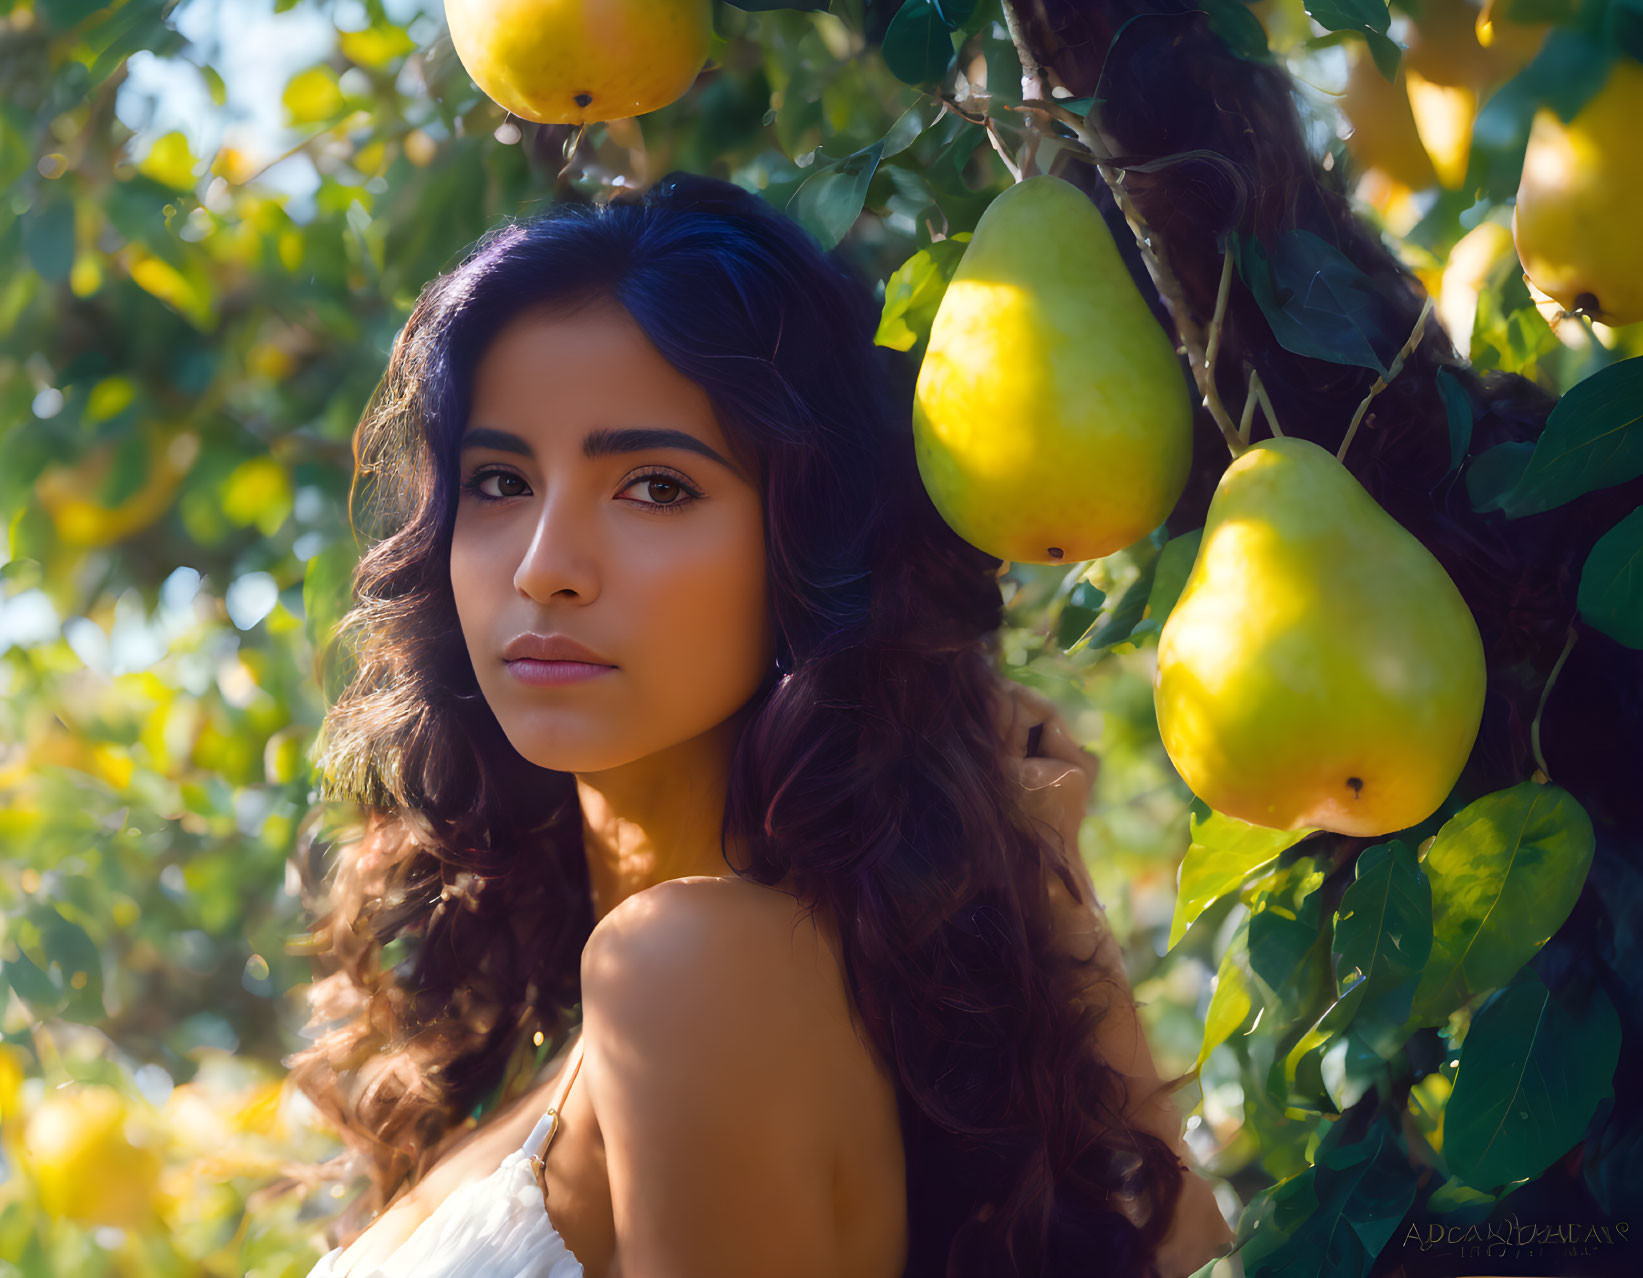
(602, 442)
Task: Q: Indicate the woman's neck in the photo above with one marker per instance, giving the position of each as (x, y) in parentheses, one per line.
(657, 818)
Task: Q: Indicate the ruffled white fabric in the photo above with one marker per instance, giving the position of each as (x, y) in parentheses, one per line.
(497, 1227)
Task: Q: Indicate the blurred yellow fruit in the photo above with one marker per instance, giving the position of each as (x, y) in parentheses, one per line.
(1383, 134)
(1446, 45)
(69, 493)
(1575, 224)
(1470, 267)
(86, 1168)
(1443, 116)
(573, 61)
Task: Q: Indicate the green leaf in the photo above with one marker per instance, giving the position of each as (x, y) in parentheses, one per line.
(1611, 583)
(1383, 935)
(1593, 439)
(1317, 302)
(1493, 473)
(1532, 1071)
(1079, 613)
(1169, 580)
(1332, 1220)
(918, 43)
(1505, 872)
(1119, 622)
(48, 236)
(829, 201)
(914, 291)
(1350, 1069)
(1236, 26)
(1457, 411)
(1368, 18)
(1284, 925)
(1224, 852)
(1231, 1002)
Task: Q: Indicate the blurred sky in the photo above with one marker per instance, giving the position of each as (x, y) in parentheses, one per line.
(256, 51)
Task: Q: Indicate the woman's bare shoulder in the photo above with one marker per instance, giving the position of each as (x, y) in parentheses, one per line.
(742, 925)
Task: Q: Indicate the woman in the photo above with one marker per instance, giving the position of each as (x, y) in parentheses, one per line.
(766, 848)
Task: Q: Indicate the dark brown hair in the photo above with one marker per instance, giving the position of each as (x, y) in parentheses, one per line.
(869, 770)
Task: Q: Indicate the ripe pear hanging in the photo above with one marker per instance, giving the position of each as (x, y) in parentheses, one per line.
(1575, 220)
(576, 61)
(1320, 669)
(1051, 418)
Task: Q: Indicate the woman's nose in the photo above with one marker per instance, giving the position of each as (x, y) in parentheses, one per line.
(560, 553)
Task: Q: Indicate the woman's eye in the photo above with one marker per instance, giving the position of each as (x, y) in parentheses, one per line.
(665, 494)
(477, 485)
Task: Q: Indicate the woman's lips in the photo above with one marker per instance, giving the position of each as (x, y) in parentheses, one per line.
(541, 674)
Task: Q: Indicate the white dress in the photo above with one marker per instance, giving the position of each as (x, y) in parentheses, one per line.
(497, 1227)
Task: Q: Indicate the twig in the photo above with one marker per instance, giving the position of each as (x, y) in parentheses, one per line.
(1534, 727)
(1249, 410)
(1382, 381)
(1258, 389)
(1212, 393)
(1152, 251)
(1003, 151)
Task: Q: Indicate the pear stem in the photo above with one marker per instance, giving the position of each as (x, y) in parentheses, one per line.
(1534, 727)
(1381, 381)
(1152, 253)
(1257, 388)
(986, 122)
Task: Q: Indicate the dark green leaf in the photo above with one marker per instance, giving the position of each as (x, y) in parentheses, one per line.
(48, 235)
(1281, 935)
(1332, 1220)
(1593, 439)
(1383, 935)
(918, 44)
(1237, 27)
(68, 14)
(1611, 583)
(763, 6)
(1494, 472)
(1457, 411)
(1350, 15)
(1169, 580)
(1079, 613)
(1119, 622)
(828, 202)
(1532, 1070)
(1317, 302)
(1624, 21)
(1505, 872)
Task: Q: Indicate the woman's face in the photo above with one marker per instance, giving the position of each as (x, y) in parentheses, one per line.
(600, 501)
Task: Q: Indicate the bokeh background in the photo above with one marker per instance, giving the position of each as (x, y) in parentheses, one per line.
(216, 216)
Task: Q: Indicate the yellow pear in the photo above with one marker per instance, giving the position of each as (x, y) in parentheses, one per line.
(1051, 418)
(84, 1163)
(1384, 135)
(1320, 670)
(574, 61)
(1576, 220)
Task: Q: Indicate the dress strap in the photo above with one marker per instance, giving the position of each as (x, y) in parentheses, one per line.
(538, 1165)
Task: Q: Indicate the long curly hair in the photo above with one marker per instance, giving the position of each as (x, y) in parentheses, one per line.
(452, 915)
